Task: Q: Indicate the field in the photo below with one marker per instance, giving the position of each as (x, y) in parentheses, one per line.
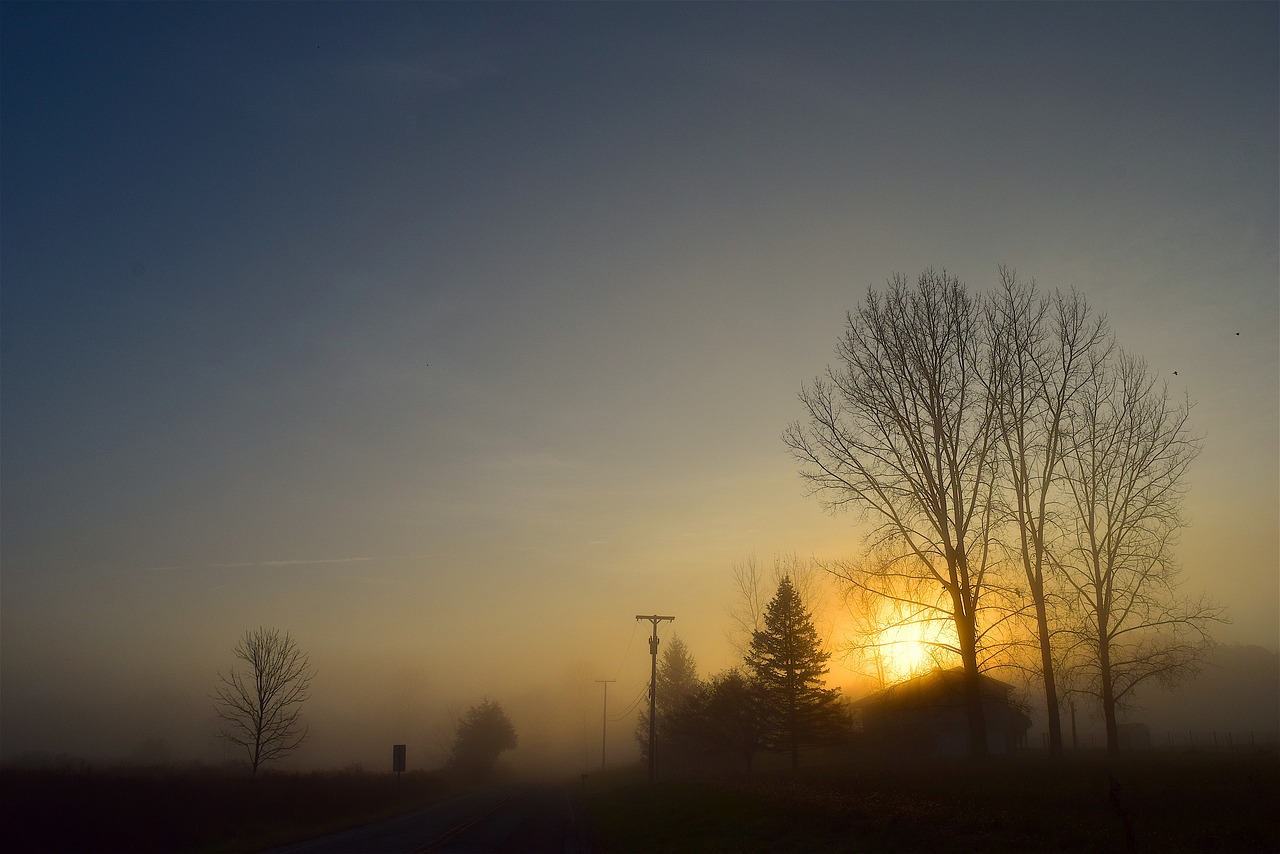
(80, 808)
(1159, 802)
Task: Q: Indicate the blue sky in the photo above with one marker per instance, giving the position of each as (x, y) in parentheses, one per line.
(423, 327)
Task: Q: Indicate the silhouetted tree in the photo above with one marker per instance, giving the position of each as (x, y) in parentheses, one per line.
(1126, 452)
(788, 665)
(677, 683)
(753, 585)
(260, 705)
(1043, 351)
(484, 732)
(904, 429)
(723, 717)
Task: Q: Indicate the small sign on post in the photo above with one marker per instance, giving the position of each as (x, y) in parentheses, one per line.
(397, 758)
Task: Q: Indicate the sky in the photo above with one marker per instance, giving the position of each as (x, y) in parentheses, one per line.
(450, 337)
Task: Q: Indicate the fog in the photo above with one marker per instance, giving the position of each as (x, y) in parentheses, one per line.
(449, 337)
(148, 701)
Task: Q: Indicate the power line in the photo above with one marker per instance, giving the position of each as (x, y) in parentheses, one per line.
(627, 652)
(631, 707)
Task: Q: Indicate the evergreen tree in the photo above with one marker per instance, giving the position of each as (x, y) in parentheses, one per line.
(720, 720)
(677, 684)
(789, 664)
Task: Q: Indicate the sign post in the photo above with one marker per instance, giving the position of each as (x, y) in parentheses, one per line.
(397, 763)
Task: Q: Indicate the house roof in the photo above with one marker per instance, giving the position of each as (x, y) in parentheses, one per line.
(939, 687)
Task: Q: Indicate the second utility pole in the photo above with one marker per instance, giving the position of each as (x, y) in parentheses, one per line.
(653, 687)
(604, 720)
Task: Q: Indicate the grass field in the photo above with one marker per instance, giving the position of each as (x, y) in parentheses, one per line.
(1159, 802)
(80, 808)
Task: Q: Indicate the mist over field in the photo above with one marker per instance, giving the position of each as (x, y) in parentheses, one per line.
(448, 338)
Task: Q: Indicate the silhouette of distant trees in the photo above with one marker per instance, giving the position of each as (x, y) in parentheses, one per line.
(722, 718)
(483, 734)
(259, 704)
(786, 659)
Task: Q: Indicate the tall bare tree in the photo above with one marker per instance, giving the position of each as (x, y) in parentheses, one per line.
(1043, 351)
(260, 704)
(903, 430)
(1126, 452)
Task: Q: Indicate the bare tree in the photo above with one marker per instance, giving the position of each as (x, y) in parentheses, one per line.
(903, 430)
(1043, 350)
(260, 705)
(754, 586)
(1126, 451)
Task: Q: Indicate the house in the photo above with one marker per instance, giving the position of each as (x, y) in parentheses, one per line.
(926, 716)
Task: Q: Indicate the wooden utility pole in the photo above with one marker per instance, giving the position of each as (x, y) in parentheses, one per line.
(653, 687)
(604, 720)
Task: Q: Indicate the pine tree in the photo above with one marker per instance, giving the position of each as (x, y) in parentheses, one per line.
(677, 684)
(789, 665)
(720, 720)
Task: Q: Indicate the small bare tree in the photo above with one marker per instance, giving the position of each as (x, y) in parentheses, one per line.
(260, 704)
(1126, 452)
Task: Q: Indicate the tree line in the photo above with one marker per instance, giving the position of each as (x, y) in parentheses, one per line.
(1023, 477)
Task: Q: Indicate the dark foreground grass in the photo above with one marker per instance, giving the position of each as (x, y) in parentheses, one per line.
(1157, 803)
(193, 809)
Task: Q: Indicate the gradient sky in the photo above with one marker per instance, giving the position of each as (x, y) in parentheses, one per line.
(451, 337)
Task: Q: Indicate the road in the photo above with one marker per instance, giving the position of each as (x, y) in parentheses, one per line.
(514, 818)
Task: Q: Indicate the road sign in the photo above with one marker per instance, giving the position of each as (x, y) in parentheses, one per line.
(397, 758)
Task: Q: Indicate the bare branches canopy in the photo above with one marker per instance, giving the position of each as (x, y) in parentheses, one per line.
(902, 429)
(1010, 458)
(259, 704)
(1127, 449)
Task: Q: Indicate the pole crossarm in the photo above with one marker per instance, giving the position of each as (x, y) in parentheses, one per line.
(653, 686)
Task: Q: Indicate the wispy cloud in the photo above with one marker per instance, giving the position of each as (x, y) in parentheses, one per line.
(288, 562)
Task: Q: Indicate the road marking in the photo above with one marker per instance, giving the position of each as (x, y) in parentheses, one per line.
(456, 829)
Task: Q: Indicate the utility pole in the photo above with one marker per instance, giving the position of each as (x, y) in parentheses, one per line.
(653, 687)
(604, 720)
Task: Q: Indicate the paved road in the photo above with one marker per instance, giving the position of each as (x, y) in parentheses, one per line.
(533, 819)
